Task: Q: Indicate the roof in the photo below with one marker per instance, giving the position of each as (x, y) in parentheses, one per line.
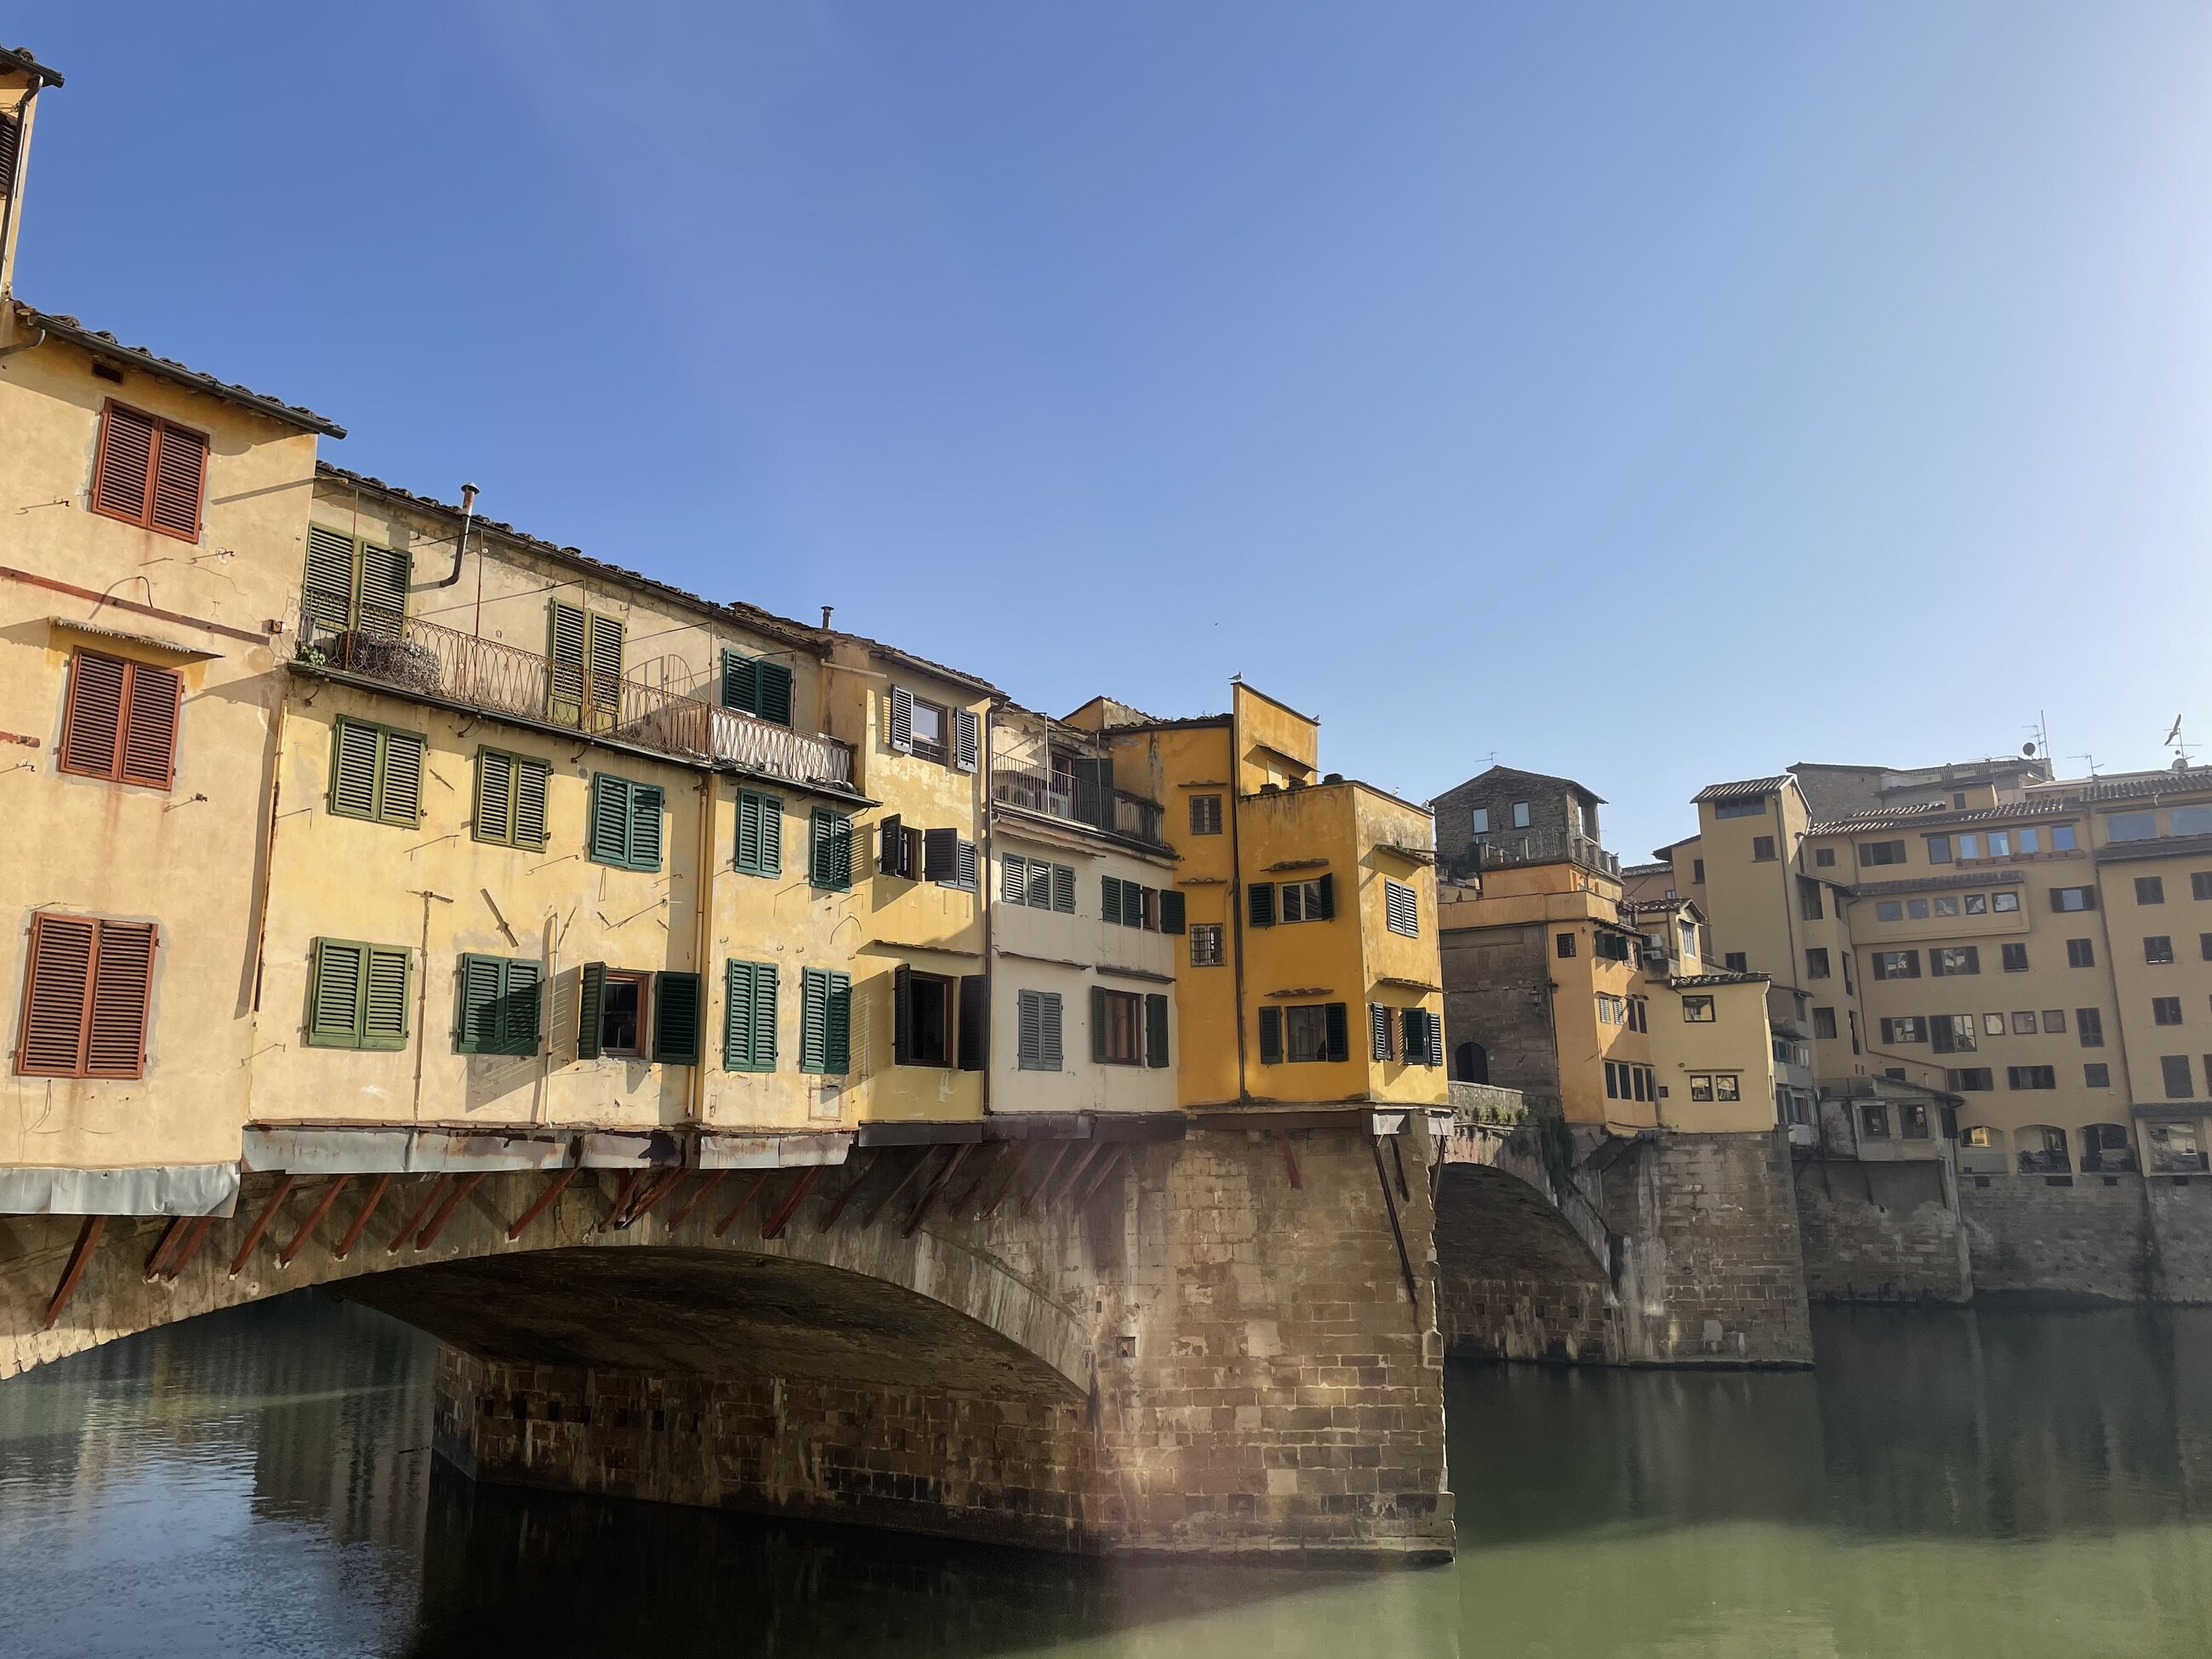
(19, 57)
(1693, 981)
(1191, 722)
(1663, 867)
(892, 653)
(1742, 789)
(766, 622)
(104, 344)
(2191, 781)
(2160, 846)
(1517, 772)
(1666, 855)
(1937, 883)
(1938, 813)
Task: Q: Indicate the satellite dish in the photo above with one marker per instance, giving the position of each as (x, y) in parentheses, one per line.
(2028, 749)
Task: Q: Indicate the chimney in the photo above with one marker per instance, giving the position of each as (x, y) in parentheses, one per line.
(22, 76)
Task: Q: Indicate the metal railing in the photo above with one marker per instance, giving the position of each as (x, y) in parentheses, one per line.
(445, 663)
(1499, 852)
(1080, 800)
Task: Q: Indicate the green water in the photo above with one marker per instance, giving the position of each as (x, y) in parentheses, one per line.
(2016, 1484)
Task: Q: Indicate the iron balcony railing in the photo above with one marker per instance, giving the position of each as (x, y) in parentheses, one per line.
(479, 673)
(1497, 852)
(1081, 800)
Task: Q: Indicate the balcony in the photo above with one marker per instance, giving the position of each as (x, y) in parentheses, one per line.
(432, 661)
(1080, 800)
(1499, 852)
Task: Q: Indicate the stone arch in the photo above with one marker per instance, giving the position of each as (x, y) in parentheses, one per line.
(1517, 1279)
(2041, 1149)
(2108, 1149)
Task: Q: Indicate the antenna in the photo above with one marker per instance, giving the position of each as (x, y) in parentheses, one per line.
(2092, 760)
(2179, 744)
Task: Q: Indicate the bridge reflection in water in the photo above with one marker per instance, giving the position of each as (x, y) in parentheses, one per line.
(1954, 1484)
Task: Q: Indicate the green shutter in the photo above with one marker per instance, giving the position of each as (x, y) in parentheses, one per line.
(383, 997)
(1049, 1022)
(602, 678)
(760, 834)
(326, 587)
(1335, 1016)
(479, 983)
(495, 797)
(646, 802)
(609, 839)
(1029, 1030)
(1271, 1036)
(1156, 1029)
(1262, 897)
(399, 778)
(1098, 1021)
(530, 779)
(1109, 899)
(383, 607)
(517, 1008)
(564, 653)
(765, 985)
(813, 1020)
(840, 1043)
(353, 770)
(830, 853)
(1327, 886)
(675, 1019)
(740, 683)
(748, 1017)
(590, 1009)
(334, 994)
(1171, 911)
(775, 680)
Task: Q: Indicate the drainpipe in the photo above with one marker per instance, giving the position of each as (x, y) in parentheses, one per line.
(461, 545)
(1235, 917)
(702, 940)
(987, 818)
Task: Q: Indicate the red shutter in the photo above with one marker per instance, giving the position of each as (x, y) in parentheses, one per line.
(56, 990)
(123, 477)
(92, 726)
(179, 471)
(122, 986)
(149, 733)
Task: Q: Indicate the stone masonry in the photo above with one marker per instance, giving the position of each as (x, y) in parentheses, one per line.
(1881, 1232)
(2117, 1238)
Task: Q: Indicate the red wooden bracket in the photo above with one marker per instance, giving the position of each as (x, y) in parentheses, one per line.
(87, 1239)
(539, 1205)
(772, 1226)
(407, 1227)
(705, 1188)
(261, 1224)
(314, 1220)
(360, 1222)
(436, 1225)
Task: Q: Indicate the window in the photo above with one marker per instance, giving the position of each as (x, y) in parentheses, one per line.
(1611, 1010)
(2188, 820)
(930, 733)
(1310, 1032)
(1037, 1044)
(825, 1021)
(1128, 904)
(1880, 852)
(2031, 1077)
(1639, 1013)
(1824, 857)
(584, 667)
(1205, 944)
(2073, 898)
(2200, 885)
(1736, 962)
(1947, 962)
(2030, 840)
(1970, 1079)
(2062, 838)
(922, 1018)
(749, 1009)
(2150, 890)
(1912, 1121)
(1908, 1027)
(1994, 1024)
(2080, 953)
(357, 994)
(2003, 903)
(1762, 849)
(1816, 962)
(948, 859)
(1481, 821)
(1609, 946)
(760, 834)
(2175, 1073)
(830, 854)
(610, 1017)
(2023, 1022)
(626, 822)
(1520, 815)
(149, 472)
(756, 686)
(1038, 883)
(2000, 843)
(2173, 1149)
(1206, 815)
(2130, 826)
(1897, 965)
(376, 773)
(120, 722)
(1951, 1034)
(1939, 848)
(1754, 808)
(2089, 1026)
(351, 583)
(510, 808)
(1400, 908)
(1697, 1010)
(1824, 1022)
(86, 989)
(497, 1005)
(1970, 848)
(1715, 1086)
(1309, 900)
(2204, 947)
(1949, 907)
(2096, 1074)
(1808, 899)
(1422, 1037)
(2165, 1011)
(1564, 944)
(2016, 959)
(1698, 872)
(1889, 910)
(1916, 910)
(2158, 949)
(1852, 1015)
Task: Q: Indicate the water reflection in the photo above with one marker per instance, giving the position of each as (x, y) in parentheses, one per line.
(1946, 1484)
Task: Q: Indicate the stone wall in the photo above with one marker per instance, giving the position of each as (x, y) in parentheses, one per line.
(2124, 1238)
(1881, 1232)
(1499, 994)
(1709, 1271)
(1514, 1281)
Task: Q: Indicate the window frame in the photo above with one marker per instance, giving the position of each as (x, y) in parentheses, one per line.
(1106, 1000)
(157, 442)
(503, 1002)
(1401, 900)
(768, 817)
(1212, 932)
(69, 758)
(144, 939)
(519, 767)
(1206, 815)
(381, 772)
(632, 793)
(358, 1035)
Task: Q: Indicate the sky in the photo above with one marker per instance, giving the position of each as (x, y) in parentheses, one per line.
(1649, 394)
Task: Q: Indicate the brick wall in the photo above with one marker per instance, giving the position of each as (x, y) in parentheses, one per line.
(1513, 1280)
(1498, 992)
(1881, 1232)
(2124, 1238)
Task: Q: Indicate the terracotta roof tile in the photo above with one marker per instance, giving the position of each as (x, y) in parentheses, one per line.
(102, 344)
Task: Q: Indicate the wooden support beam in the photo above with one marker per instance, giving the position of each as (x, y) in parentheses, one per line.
(1052, 1163)
(190, 1247)
(1291, 1163)
(261, 1224)
(314, 1220)
(706, 1190)
(629, 1185)
(1398, 1232)
(436, 1224)
(360, 1222)
(1106, 1167)
(829, 1218)
(1064, 1184)
(88, 1240)
(730, 1220)
(877, 1208)
(407, 1227)
(650, 1195)
(539, 1205)
(991, 1151)
(936, 1186)
(170, 1236)
(1398, 1161)
(1013, 1174)
(772, 1226)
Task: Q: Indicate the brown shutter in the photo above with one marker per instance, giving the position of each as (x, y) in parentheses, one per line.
(122, 986)
(149, 726)
(122, 474)
(57, 992)
(92, 726)
(180, 473)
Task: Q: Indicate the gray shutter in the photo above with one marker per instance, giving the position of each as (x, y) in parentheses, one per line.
(1098, 1023)
(940, 856)
(1048, 1019)
(1379, 1031)
(901, 732)
(1063, 890)
(967, 861)
(891, 846)
(1156, 1029)
(902, 1015)
(1337, 1018)
(1109, 899)
(1029, 1034)
(1014, 878)
(967, 739)
(1271, 1036)
(1327, 908)
(974, 1022)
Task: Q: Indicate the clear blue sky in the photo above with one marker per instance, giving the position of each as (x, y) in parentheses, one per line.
(1650, 393)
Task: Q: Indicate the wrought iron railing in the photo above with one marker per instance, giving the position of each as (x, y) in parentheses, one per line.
(1501, 851)
(1080, 800)
(500, 679)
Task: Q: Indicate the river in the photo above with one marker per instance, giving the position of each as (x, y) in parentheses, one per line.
(2022, 1484)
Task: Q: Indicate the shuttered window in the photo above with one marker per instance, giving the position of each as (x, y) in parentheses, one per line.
(899, 734)
(749, 1016)
(497, 999)
(376, 773)
(1206, 815)
(1037, 1043)
(1116, 1027)
(1037, 884)
(829, 850)
(967, 739)
(825, 1021)
(357, 994)
(754, 685)
(121, 720)
(584, 654)
(1130, 903)
(678, 1017)
(625, 823)
(948, 859)
(87, 988)
(511, 799)
(1400, 908)
(1171, 908)
(1271, 1036)
(1382, 1032)
(351, 583)
(11, 146)
(1424, 1037)
(1156, 1029)
(1260, 897)
(1304, 1032)
(149, 472)
(760, 834)
(1307, 901)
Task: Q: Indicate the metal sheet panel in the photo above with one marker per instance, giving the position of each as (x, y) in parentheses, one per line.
(630, 1149)
(163, 1190)
(772, 1152)
(324, 1149)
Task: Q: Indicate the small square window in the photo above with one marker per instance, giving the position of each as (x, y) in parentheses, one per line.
(1824, 857)
(2016, 959)
(1697, 1010)
(2165, 1011)
(2096, 1074)
(2150, 890)
(2023, 1022)
(1520, 815)
(1762, 849)
(2158, 949)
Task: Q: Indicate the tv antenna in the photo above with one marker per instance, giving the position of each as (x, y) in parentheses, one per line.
(2179, 744)
(2040, 743)
(2091, 759)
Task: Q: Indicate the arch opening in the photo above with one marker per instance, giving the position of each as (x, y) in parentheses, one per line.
(1515, 1280)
